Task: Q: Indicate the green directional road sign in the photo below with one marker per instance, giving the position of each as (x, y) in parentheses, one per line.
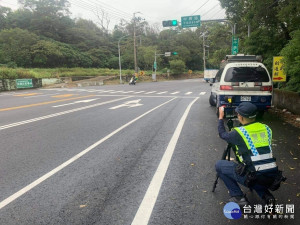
(190, 21)
(235, 46)
(24, 83)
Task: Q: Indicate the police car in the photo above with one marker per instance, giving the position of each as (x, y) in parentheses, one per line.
(242, 78)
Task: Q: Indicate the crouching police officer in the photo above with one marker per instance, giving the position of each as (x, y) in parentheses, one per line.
(256, 166)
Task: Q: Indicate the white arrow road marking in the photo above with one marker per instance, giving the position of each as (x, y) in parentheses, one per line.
(129, 104)
(82, 101)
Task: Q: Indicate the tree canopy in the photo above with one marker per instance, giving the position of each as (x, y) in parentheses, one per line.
(42, 34)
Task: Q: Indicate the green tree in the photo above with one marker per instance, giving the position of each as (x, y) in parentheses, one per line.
(177, 67)
(49, 17)
(15, 46)
(146, 57)
(291, 54)
(20, 18)
(4, 12)
(56, 54)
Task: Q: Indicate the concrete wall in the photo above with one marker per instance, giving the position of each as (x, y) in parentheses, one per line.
(287, 100)
(9, 84)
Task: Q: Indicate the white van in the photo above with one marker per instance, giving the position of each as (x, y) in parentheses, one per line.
(242, 78)
(210, 74)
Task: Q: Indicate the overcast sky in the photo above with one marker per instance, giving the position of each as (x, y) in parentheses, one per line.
(154, 11)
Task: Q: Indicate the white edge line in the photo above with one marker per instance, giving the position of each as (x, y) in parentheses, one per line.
(144, 212)
(71, 160)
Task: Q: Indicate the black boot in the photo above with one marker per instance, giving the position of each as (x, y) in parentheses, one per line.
(268, 198)
(240, 200)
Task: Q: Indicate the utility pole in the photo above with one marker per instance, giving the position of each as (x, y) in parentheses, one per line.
(120, 57)
(134, 43)
(204, 63)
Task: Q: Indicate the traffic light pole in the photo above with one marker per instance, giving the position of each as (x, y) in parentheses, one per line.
(155, 66)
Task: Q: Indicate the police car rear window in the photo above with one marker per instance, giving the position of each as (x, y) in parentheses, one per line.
(246, 74)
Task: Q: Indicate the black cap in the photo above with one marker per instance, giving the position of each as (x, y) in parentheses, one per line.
(247, 110)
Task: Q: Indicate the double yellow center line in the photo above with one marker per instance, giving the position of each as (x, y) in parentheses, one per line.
(43, 103)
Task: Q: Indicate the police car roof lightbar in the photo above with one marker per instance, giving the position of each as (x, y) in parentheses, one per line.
(243, 58)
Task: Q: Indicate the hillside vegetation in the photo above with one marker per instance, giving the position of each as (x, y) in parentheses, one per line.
(41, 34)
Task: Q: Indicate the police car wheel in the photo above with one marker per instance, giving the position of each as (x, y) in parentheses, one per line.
(260, 114)
(217, 108)
(211, 100)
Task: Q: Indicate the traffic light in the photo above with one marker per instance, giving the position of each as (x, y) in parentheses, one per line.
(170, 23)
(174, 53)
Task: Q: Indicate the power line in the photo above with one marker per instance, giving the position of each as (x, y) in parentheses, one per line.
(210, 9)
(200, 7)
(215, 14)
(91, 8)
(115, 9)
(218, 14)
(185, 7)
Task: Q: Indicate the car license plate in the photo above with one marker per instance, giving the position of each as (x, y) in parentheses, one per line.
(245, 98)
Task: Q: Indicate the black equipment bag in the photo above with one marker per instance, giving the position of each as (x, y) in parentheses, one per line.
(272, 183)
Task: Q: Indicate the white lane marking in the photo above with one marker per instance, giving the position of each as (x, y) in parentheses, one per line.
(202, 93)
(73, 159)
(161, 92)
(139, 92)
(144, 212)
(8, 94)
(76, 102)
(176, 92)
(129, 104)
(58, 114)
(150, 92)
(188, 93)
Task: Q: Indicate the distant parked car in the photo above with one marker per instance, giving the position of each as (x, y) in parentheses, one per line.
(210, 74)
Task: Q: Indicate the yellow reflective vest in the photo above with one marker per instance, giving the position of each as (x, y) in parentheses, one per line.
(257, 137)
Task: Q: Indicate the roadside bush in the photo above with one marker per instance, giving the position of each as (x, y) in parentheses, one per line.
(177, 67)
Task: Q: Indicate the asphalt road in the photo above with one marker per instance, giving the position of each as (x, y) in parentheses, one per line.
(123, 155)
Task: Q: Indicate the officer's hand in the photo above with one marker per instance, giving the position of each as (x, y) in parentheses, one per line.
(221, 112)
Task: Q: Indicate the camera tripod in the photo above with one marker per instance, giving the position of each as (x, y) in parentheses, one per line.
(226, 152)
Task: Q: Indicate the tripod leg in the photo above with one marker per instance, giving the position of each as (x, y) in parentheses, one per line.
(225, 153)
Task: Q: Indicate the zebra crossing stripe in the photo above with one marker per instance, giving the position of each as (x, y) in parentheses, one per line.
(188, 93)
(202, 93)
(150, 92)
(176, 92)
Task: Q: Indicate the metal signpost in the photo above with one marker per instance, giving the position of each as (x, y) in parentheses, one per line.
(190, 21)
